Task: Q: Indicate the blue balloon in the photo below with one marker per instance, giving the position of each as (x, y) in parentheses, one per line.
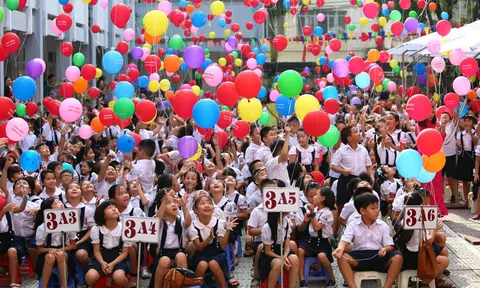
(464, 108)
(184, 67)
(199, 19)
(286, 4)
(444, 15)
(285, 106)
(425, 177)
(126, 144)
(255, 50)
(264, 48)
(262, 93)
(348, 58)
(419, 69)
(143, 81)
(255, 8)
(182, 3)
(30, 160)
(421, 26)
(112, 62)
(222, 22)
(24, 88)
(330, 63)
(323, 60)
(330, 92)
(276, 78)
(169, 51)
(318, 31)
(63, 2)
(409, 163)
(261, 59)
(124, 89)
(362, 80)
(385, 12)
(404, 32)
(206, 63)
(68, 167)
(206, 113)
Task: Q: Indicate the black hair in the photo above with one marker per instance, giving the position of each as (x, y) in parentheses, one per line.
(147, 146)
(251, 166)
(99, 215)
(256, 172)
(396, 117)
(200, 198)
(272, 220)
(264, 132)
(44, 173)
(164, 181)
(293, 120)
(279, 183)
(364, 176)
(12, 170)
(253, 126)
(266, 182)
(65, 172)
(294, 170)
(157, 201)
(311, 185)
(159, 167)
(346, 132)
(31, 184)
(228, 171)
(300, 181)
(113, 190)
(186, 130)
(198, 186)
(90, 164)
(352, 184)
(361, 190)
(364, 200)
(276, 147)
(46, 204)
(329, 198)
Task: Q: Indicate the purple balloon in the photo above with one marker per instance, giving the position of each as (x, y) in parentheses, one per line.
(353, 88)
(340, 68)
(422, 79)
(137, 53)
(411, 24)
(34, 69)
(306, 70)
(185, 86)
(187, 146)
(356, 101)
(232, 41)
(194, 56)
(228, 48)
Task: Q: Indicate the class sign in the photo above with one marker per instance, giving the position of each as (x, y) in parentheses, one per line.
(281, 199)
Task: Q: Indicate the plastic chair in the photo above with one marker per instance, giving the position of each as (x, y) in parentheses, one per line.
(229, 255)
(105, 282)
(320, 274)
(278, 285)
(55, 280)
(239, 248)
(5, 278)
(404, 276)
(80, 275)
(26, 267)
(370, 275)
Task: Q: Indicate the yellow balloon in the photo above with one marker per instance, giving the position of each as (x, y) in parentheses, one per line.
(164, 85)
(148, 46)
(317, 61)
(153, 86)
(250, 109)
(86, 1)
(196, 89)
(155, 22)
(222, 61)
(443, 41)
(238, 62)
(181, 60)
(233, 73)
(226, 32)
(436, 97)
(98, 73)
(379, 88)
(161, 66)
(368, 1)
(111, 104)
(364, 21)
(211, 35)
(305, 104)
(382, 21)
(306, 2)
(197, 155)
(285, 25)
(217, 8)
(393, 63)
(403, 73)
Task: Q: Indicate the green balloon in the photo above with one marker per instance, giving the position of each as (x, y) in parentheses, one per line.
(198, 75)
(2, 14)
(352, 27)
(412, 14)
(12, 4)
(264, 118)
(290, 83)
(206, 51)
(21, 110)
(78, 59)
(224, 108)
(385, 83)
(395, 15)
(124, 108)
(396, 69)
(330, 138)
(235, 54)
(359, 3)
(176, 42)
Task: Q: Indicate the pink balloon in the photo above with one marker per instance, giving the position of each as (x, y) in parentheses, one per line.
(213, 75)
(154, 77)
(54, 28)
(438, 64)
(461, 85)
(170, 74)
(320, 17)
(146, 53)
(70, 110)
(129, 34)
(104, 4)
(456, 56)
(85, 131)
(340, 68)
(433, 46)
(72, 73)
(165, 7)
(274, 95)
(328, 50)
(251, 63)
(17, 129)
(258, 72)
(330, 78)
(370, 10)
(186, 86)
(322, 84)
(44, 66)
(419, 107)
(391, 86)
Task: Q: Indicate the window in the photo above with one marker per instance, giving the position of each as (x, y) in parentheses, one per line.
(333, 20)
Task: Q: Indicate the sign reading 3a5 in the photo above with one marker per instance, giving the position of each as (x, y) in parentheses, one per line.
(281, 199)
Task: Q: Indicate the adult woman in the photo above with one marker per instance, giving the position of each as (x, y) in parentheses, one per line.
(7, 92)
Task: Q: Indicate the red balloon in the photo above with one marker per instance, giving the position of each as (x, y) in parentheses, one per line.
(46, 102)
(152, 63)
(3, 132)
(106, 117)
(222, 138)
(260, 16)
(443, 109)
(405, 4)
(235, 27)
(331, 106)
(319, 96)
(205, 132)
(318, 177)
(93, 92)
(137, 138)
(123, 77)
(316, 123)
(375, 27)
(451, 100)
(32, 108)
(120, 14)
(66, 48)
(8, 108)
(10, 42)
(335, 44)
(384, 56)
(241, 129)
(122, 123)
(133, 74)
(88, 72)
(64, 22)
(113, 84)
(469, 66)
(376, 74)
(96, 28)
(320, 3)
(146, 111)
(248, 84)
(3, 53)
(54, 107)
(429, 141)
(280, 42)
(122, 47)
(356, 65)
(307, 30)
(183, 102)
(421, 4)
(347, 19)
(22, 4)
(419, 107)
(225, 119)
(397, 28)
(67, 8)
(370, 10)
(443, 27)
(67, 90)
(176, 17)
(227, 94)
(476, 105)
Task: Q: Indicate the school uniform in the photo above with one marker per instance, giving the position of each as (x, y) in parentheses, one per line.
(23, 224)
(385, 190)
(301, 237)
(103, 187)
(92, 177)
(250, 152)
(410, 251)
(255, 200)
(240, 203)
(466, 158)
(132, 211)
(384, 155)
(318, 241)
(172, 141)
(190, 198)
(263, 154)
(145, 168)
(28, 142)
(305, 156)
(257, 219)
(86, 222)
(92, 203)
(450, 150)
(111, 245)
(7, 237)
(278, 170)
(58, 194)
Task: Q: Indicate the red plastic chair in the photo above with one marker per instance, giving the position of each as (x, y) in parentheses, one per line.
(5, 278)
(103, 282)
(285, 281)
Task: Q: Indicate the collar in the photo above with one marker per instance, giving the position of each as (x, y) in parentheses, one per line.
(79, 206)
(200, 225)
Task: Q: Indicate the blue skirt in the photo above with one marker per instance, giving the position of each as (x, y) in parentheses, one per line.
(320, 245)
(109, 255)
(211, 253)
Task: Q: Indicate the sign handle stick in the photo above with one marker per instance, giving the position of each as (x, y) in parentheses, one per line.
(281, 251)
(64, 260)
(139, 264)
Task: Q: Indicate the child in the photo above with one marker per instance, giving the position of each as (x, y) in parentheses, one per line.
(371, 240)
(210, 237)
(50, 188)
(385, 180)
(256, 198)
(320, 230)
(88, 192)
(138, 199)
(277, 166)
(86, 171)
(66, 178)
(467, 140)
(191, 182)
(447, 128)
(305, 153)
(144, 166)
(270, 261)
(108, 248)
(107, 177)
(49, 246)
(267, 135)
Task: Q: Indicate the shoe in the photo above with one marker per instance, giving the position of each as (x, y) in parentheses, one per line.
(303, 284)
(452, 199)
(476, 217)
(144, 273)
(331, 283)
(345, 284)
(446, 272)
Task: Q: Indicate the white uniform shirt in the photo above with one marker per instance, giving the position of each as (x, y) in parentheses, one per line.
(146, 169)
(23, 224)
(323, 216)
(88, 221)
(111, 238)
(171, 239)
(205, 229)
(364, 238)
(467, 140)
(28, 142)
(276, 170)
(41, 237)
(137, 212)
(263, 154)
(282, 232)
(449, 143)
(356, 161)
(250, 152)
(306, 154)
(103, 187)
(257, 219)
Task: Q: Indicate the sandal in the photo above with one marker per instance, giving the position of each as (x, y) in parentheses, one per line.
(232, 282)
(133, 284)
(255, 284)
(446, 272)
(476, 217)
(440, 283)
(15, 285)
(249, 253)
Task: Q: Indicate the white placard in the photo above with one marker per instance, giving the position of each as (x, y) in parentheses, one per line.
(140, 229)
(412, 217)
(281, 199)
(62, 220)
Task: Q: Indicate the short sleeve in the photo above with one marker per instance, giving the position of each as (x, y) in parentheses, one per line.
(299, 216)
(337, 157)
(398, 204)
(403, 138)
(192, 233)
(368, 161)
(253, 221)
(95, 235)
(267, 235)
(386, 237)
(41, 235)
(221, 228)
(89, 212)
(317, 153)
(127, 243)
(242, 202)
(346, 211)
(293, 150)
(348, 233)
(326, 218)
(72, 236)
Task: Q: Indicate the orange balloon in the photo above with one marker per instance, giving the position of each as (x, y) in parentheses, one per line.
(169, 94)
(80, 85)
(171, 63)
(189, 8)
(151, 39)
(373, 55)
(432, 80)
(472, 95)
(96, 125)
(434, 163)
(198, 5)
(432, 6)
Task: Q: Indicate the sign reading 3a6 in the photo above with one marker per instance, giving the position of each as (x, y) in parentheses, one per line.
(281, 199)
(413, 217)
(140, 229)
(62, 220)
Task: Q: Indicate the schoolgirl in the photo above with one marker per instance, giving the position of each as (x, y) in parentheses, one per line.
(138, 199)
(382, 142)
(50, 189)
(305, 153)
(210, 237)
(107, 177)
(397, 137)
(270, 259)
(256, 199)
(56, 167)
(31, 139)
(49, 246)
(86, 171)
(384, 181)
(109, 250)
(467, 140)
(88, 192)
(84, 248)
(192, 181)
(85, 154)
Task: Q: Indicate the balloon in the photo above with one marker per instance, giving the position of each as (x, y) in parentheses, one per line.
(70, 110)
(438, 64)
(456, 56)
(435, 162)
(433, 46)
(331, 106)
(318, 177)
(198, 153)
(8, 108)
(370, 10)
(30, 160)
(112, 62)
(120, 14)
(24, 88)
(80, 85)
(425, 176)
(217, 8)
(31, 108)
(146, 111)
(187, 146)
(395, 15)
(340, 68)
(124, 89)
(85, 132)
(469, 66)
(66, 49)
(183, 102)
(107, 117)
(264, 118)
(194, 56)
(411, 24)
(222, 138)
(34, 68)
(391, 86)
(227, 94)
(96, 125)
(21, 110)
(419, 107)
(362, 80)
(124, 108)
(409, 163)
(78, 59)
(241, 129)
(280, 42)
(285, 106)
(126, 143)
(152, 63)
(429, 141)
(356, 65)
(330, 138)
(213, 76)
(16, 129)
(72, 73)
(176, 42)
(305, 104)
(206, 113)
(461, 85)
(225, 119)
(88, 72)
(316, 123)
(376, 74)
(249, 110)
(451, 100)
(290, 83)
(443, 27)
(248, 84)
(63, 22)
